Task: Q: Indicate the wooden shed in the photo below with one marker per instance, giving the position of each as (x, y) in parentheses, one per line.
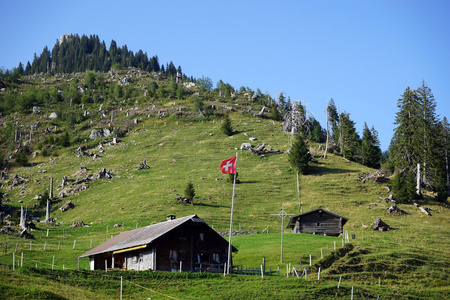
(187, 242)
(318, 221)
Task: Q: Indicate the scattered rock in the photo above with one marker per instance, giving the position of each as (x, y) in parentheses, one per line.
(6, 230)
(378, 224)
(143, 165)
(388, 199)
(184, 200)
(77, 224)
(103, 173)
(394, 209)
(378, 176)
(67, 206)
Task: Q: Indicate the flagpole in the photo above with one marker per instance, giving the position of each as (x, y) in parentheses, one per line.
(231, 220)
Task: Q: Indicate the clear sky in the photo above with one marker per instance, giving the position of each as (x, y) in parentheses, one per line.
(363, 54)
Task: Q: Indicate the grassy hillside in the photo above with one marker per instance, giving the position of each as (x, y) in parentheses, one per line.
(410, 260)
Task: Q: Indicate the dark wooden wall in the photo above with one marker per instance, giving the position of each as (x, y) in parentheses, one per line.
(320, 223)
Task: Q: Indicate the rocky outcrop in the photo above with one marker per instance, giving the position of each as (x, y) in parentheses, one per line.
(99, 133)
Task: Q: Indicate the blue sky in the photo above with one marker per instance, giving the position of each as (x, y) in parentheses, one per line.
(363, 54)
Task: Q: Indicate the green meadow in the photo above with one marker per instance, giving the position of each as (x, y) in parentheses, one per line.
(409, 261)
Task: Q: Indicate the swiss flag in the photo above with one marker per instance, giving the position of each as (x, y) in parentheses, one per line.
(228, 166)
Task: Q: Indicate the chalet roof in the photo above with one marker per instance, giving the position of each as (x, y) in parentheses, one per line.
(142, 236)
(291, 223)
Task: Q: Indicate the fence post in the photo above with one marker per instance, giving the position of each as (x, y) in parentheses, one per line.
(264, 266)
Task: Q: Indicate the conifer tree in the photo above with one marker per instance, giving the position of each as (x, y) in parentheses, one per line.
(189, 191)
(348, 137)
(370, 148)
(227, 127)
(299, 156)
(333, 121)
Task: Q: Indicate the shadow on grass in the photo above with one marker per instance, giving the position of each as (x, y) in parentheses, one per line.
(320, 170)
(210, 205)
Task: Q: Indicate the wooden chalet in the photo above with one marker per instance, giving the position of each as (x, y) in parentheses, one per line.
(187, 242)
(318, 221)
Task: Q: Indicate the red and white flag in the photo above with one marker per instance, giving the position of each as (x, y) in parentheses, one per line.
(228, 166)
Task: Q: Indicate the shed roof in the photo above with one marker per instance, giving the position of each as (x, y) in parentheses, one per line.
(142, 236)
(291, 223)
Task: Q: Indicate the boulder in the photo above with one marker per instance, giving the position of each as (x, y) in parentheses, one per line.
(36, 109)
(53, 115)
(99, 133)
(96, 134)
(378, 224)
(246, 146)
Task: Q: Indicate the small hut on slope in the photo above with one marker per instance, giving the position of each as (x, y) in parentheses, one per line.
(318, 221)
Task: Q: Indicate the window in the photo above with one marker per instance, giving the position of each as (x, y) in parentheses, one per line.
(201, 237)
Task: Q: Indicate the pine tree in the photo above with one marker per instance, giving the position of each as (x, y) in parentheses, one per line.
(227, 127)
(274, 112)
(189, 191)
(403, 187)
(348, 137)
(333, 121)
(299, 156)
(427, 130)
(370, 149)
